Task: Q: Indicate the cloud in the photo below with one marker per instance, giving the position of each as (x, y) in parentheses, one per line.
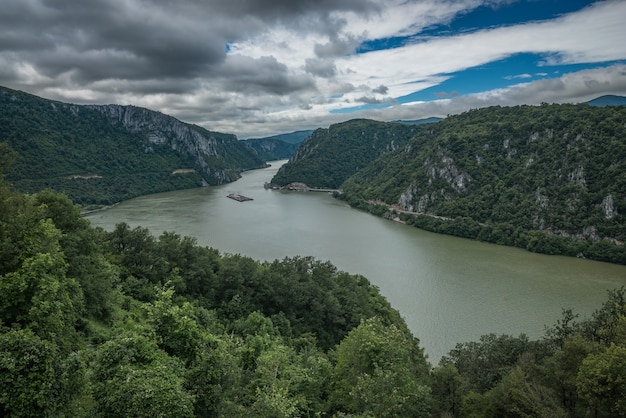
(320, 67)
(255, 67)
(513, 77)
(572, 87)
(381, 89)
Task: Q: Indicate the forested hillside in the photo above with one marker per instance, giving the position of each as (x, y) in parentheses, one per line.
(271, 149)
(125, 324)
(105, 154)
(549, 178)
(329, 156)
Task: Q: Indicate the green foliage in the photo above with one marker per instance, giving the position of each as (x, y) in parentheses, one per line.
(132, 377)
(577, 370)
(549, 179)
(271, 149)
(27, 374)
(329, 156)
(602, 381)
(380, 371)
(179, 330)
(91, 156)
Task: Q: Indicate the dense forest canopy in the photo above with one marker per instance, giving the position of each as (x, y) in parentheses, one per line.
(122, 323)
(105, 154)
(548, 178)
(329, 156)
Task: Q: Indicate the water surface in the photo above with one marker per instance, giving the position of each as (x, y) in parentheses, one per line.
(448, 289)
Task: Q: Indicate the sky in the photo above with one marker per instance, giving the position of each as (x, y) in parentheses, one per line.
(257, 68)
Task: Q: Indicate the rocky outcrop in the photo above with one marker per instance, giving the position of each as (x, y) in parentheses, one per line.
(217, 156)
(608, 207)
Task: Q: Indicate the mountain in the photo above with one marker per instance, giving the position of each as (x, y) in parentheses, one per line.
(329, 156)
(101, 154)
(277, 147)
(524, 175)
(420, 121)
(292, 137)
(270, 149)
(608, 100)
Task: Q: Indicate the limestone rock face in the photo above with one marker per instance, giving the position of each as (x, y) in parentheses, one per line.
(208, 150)
(608, 207)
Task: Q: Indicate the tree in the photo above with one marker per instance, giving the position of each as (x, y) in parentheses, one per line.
(35, 380)
(518, 395)
(133, 377)
(138, 255)
(448, 388)
(27, 374)
(176, 328)
(561, 369)
(601, 382)
(380, 371)
(485, 362)
(39, 295)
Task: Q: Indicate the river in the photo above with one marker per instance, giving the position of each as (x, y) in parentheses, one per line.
(448, 289)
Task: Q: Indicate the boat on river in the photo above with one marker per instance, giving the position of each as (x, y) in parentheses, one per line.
(239, 198)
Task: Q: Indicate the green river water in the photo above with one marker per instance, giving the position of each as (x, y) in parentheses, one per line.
(449, 290)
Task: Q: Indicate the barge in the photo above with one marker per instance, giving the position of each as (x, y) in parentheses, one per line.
(239, 197)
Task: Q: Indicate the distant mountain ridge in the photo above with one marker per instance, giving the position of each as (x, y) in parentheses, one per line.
(420, 121)
(608, 100)
(277, 147)
(106, 153)
(292, 137)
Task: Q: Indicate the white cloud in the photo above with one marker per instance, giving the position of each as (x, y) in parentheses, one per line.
(256, 67)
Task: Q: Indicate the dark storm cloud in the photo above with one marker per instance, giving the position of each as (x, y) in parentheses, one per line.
(288, 8)
(262, 75)
(381, 89)
(85, 42)
(320, 67)
(108, 39)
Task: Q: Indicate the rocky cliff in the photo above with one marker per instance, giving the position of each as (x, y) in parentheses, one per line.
(219, 157)
(106, 153)
(506, 173)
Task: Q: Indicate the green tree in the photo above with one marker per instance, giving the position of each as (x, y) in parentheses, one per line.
(601, 382)
(39, 295)
(35, 380)
(27, 375)
(132, 377)
(380, 371)
(519, 395)
(485, 362)
(176, 328)
(448, 388)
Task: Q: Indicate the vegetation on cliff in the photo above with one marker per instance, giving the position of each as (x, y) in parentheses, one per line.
(329, 156)
(277, 147)
(105, 154)
(549, 178)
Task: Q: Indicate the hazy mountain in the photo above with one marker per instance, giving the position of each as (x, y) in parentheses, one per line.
(277, 147)
(107, 153)
(292, 137)
(608, 100)
(420, 121)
